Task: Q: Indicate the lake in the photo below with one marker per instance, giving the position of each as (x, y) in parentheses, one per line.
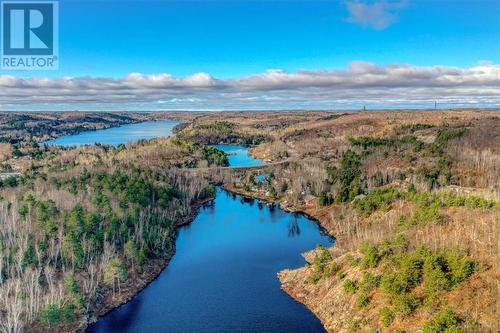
(223, 277)
(238, 155)
(118, 135)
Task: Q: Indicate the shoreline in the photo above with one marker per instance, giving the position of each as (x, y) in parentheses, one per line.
(105, 128)
(157, 267)
(154, 270)
(281, 275)
(291, 209)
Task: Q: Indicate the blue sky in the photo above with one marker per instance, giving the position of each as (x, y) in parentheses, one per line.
(233, 38)
(236, 39)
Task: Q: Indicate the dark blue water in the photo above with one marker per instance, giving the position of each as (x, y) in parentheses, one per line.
(118, 135)
(223, 276)
(238, 155)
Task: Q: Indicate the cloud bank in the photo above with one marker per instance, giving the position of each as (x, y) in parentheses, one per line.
(378, 15)
(361, 83)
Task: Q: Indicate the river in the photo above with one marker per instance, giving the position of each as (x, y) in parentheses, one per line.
(223, 277)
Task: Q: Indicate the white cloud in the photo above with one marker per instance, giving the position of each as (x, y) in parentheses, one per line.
(361, 83)
(377, 15)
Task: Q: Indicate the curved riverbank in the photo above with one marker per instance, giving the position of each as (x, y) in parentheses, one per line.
(225, 263)
(288, 277)
(138, 282)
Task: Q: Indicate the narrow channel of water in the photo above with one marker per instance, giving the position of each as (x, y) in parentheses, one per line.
(238, 155)
(223, 277)
(118, 135)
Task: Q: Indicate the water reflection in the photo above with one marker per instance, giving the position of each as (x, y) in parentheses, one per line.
(223, 275)
(293, 228)
(122, 318)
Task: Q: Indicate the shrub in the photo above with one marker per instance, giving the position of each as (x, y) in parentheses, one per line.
(386, 316)
(325, 199)
(460, 268)
(368, 282)
(426, 214)
(29, 256)
(362, 300)
(405, 304)
(391, 285)
(371, 257)
(377, 199)
(70, 284)
(320, 267)
(444, 321)
(341, 275)
(68, 312)
(350, 286)
(391, 247)
(410, 269)
(50, 315)
(353, 325)
(444, 270)
(352, 261)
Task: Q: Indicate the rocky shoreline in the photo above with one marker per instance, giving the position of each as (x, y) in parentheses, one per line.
(288, 278)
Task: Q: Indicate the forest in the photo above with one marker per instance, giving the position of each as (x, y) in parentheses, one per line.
(411, 197)
(81, 225)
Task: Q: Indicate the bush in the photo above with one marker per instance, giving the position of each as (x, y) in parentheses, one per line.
(369, 282)
(426, 214)
(410, 269)
(350, 286)
(406, 275)
(353, 325)
(371, 257)
(460, 268)
(320, 266)
(391, 247)
(444, 321)
(391, 285)
(377, 199)
(362, 300)
(70, 284)
(386, 316)
(405, 304)
(325, 199)
(352, 261)
(50, 315)
(444, 270)
(68, 312)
